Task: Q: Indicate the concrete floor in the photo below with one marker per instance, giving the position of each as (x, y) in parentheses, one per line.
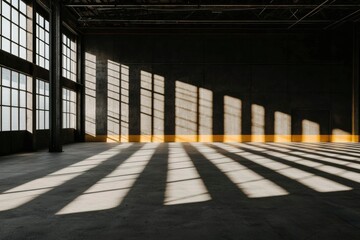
(182, 191)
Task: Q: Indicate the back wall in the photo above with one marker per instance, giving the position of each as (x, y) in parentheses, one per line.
(287, 86)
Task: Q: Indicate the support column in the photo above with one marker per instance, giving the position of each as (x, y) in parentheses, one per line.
(81, 91)
(34, 73)
(355, 107)
(55, 77)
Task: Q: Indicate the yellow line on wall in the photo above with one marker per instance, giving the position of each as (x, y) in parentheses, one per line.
(223, 138)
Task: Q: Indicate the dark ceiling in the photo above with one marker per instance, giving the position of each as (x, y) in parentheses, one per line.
(282, 14)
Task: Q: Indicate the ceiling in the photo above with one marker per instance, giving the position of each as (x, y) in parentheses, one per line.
(281, 14)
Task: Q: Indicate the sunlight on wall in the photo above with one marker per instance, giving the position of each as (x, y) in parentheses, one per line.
(146, 106)
(113, 116)
(110, 191)
(159, 109)
(257, 123)
(205, 115)
(90, 94)
(124, 103)
(317, 183)
(24, 193)
(339, 135)
(152, 107)
(282, 127)
(184, 184)
(185, 112)
(232, 119)
(251, 183)
(310, 131)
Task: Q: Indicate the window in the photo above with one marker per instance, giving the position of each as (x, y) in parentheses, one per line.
(42, 105)
(14, 87)
(42, 41)
(68, 58)
(69, 108)
(13, 27)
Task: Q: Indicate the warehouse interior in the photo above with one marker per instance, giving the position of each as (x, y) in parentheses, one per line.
(174, 119)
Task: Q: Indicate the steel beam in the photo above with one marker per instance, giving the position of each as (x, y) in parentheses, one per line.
(195, 6)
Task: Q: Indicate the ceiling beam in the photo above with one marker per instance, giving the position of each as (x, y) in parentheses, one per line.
(174, 21)
(272, 6)
(309, 13)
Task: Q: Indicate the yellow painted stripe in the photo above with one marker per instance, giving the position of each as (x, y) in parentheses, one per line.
(223, 138)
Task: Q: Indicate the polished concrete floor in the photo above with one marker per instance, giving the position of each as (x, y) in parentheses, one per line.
(182, 191)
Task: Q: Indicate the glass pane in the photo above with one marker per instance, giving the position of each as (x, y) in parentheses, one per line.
(47, 120)
(14, 33)
(29, 86)
(41, 87)
(22, 123)
(22, 21)
(37, 119)
(41, 62)
(5, 27)
(37, 101)
(46, 88)
(14, 119)
(15, 16)
(46, 103)
(41, 102)
(14, 49)
(41, 21)
(22, 38)
(72, 121)
(46, 51)
(64, 120)
(15, 3)
(22, 82)
(15, 79)
(64, 93)
(22, 7)
(22, 99)
(5, 44)
(47, 37)
(6, 77)
(22, 53)
(6, 9)
(41, 34)
(41, 119)
(47, 26)
(5, 96)
(14, 97)
(5, 120)
(73, 46)
(72, 96)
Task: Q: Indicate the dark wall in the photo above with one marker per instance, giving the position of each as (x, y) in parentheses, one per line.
(12, 142)
(22, 141)
(307, 75)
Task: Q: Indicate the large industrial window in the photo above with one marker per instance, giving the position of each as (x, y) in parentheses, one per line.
(13, 27)
(42, 41)
(42, 105)
(14, 87)
(69, 108)
(68, 58)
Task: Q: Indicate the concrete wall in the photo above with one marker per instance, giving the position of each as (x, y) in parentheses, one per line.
(222, 87)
